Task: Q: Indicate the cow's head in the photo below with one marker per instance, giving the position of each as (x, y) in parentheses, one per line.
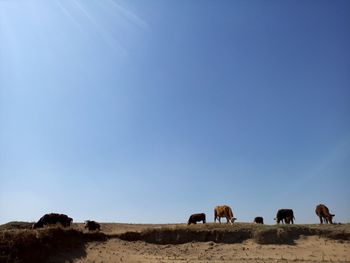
(232, 220)
(278, 220)
(330, 218)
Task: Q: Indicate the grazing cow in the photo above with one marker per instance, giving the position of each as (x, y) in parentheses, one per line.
(323, 213)
(92, 225)
(285, 214)
(259, 220)
(224, 211)
(196, 218)
(52, 219)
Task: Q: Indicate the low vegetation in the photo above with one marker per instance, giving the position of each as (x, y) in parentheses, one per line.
(21, 244)
(262, 234)
(16, 225)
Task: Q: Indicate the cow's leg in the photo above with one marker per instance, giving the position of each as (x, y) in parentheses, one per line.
(321, 221)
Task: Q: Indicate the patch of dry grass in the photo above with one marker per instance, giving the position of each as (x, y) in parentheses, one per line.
(24, 245)
(237, 233)
(19, 243)
(16, 225)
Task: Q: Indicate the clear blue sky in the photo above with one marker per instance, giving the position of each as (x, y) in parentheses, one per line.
(148, 111)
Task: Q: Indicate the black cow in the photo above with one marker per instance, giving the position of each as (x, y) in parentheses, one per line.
(92, 225)
(52, 219)
(196, 218)
(285, 215)
(259, 220)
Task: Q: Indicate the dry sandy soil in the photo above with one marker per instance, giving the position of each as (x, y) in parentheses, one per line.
(299, 243)
(310, 249)
(304, 249)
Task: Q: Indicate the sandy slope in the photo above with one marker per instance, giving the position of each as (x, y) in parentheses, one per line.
(306, 249)
(311, 249)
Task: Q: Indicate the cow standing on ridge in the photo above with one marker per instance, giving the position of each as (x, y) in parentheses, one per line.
(285, 215)
(259, 220)
(322, 212)
(92, 225)
(196, 218)
(52, 219)
(224, 211)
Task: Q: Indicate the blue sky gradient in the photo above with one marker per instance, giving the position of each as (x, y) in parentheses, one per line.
(148, 111)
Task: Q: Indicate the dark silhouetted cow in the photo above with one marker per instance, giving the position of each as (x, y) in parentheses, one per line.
(196, 218)
(323, 213)
(92, 225)
(259, 220)
(285, 215)
(52, 219)
(224, 211)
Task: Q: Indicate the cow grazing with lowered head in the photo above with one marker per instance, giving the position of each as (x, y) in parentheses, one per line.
(92, 225)
(259, 220)
(323, 213)
(285, 215)
(196, 218)
(224, 211)
(53, 219)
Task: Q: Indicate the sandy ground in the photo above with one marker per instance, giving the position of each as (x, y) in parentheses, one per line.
(306, 249)
(311, 249)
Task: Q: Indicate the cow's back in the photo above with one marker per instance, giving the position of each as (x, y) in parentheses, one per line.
(222, 210)
(322, 210)
(54, 218)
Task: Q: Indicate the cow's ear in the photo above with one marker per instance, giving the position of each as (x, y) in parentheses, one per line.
(332, 215)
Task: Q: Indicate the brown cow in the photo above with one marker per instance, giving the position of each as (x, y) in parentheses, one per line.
(323, 213)
(224, 211)
(52, 219)
(92, 225)
(196, 218)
